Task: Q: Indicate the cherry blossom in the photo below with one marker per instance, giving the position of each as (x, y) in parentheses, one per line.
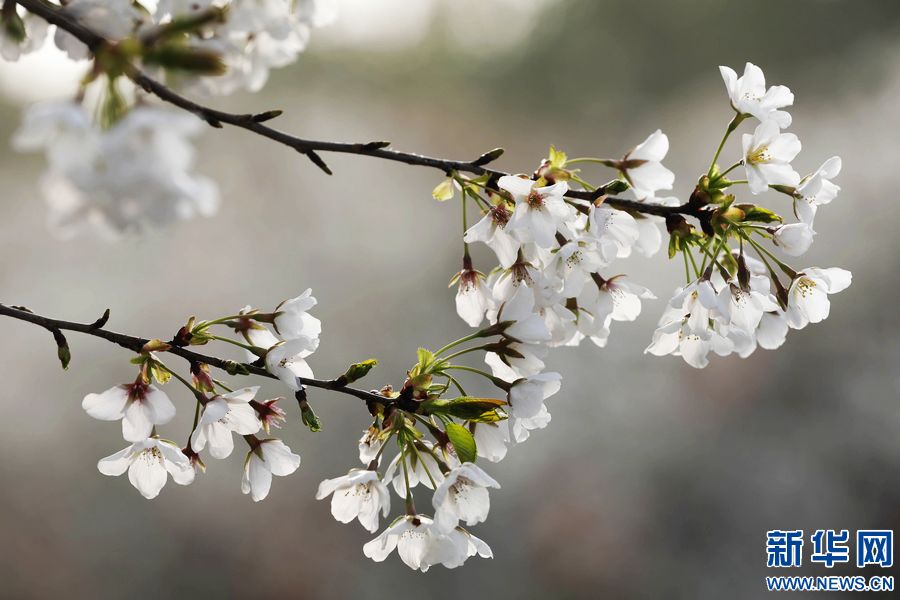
(358, 495)
(149, 462)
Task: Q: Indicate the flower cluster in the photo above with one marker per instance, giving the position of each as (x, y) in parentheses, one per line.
(129, 168)
(555, 248)
(133, 175)
(220, 411)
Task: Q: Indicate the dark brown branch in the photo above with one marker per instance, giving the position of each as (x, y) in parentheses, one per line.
(310, 148)
(136, 343)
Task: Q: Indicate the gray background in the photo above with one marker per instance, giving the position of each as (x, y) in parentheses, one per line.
(653, 480)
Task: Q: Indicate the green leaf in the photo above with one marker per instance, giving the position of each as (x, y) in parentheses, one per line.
(477, 410)
(462, 441)
(160, 374)
(443, 191)
(759, 214)
(557, 157)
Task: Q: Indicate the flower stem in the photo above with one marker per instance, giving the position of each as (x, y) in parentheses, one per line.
(731, 127)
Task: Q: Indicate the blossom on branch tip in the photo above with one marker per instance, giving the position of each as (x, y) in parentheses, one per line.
(749, 96)
(148, 463)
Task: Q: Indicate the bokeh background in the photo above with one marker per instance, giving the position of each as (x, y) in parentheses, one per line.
(653, 480)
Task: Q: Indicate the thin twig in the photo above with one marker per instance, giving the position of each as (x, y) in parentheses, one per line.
(135, 344)
(56, 15)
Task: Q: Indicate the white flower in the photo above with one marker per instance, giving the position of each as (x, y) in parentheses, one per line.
(223, 415)
(292, 318)
(794, 239)
(817, 190)
(21, 33)
(526, 396)
(574, 263)
(767, 157)
(286, 360)
(370, 445)
(691, 343)
(119, 180)
(111, 19)
(462, 496)
(147, 462)
(268, 457)
(472, 297)
(615, 298)
(491, 440)
(357, 495)
(420, 545)
(772, 330)
(540, 211)
(808, 295)
(648, 175)
(139, 405)
(615, 230)
(743, 309)
(492, 230)
(749, 95)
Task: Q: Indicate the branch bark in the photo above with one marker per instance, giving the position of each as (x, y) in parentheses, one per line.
(135, 344)
(56, 15)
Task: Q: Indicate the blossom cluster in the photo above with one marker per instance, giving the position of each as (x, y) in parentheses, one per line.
(284, 339)
(116, 164)
(555, 253)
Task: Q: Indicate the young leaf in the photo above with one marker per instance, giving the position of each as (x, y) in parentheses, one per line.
(462, 441)
(443, 191)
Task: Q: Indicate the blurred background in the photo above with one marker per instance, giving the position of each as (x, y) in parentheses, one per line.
(653, 480)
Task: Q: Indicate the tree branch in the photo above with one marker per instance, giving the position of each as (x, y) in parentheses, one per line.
(136, 343)
(56, 15)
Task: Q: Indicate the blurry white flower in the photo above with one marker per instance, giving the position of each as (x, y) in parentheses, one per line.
(794, 239)
(462, 496)
(808, 295)
(148, 462)
(111, 19)
(140, 406)
(643, 166)
(370, 445)
(749, 96)
(358, 495)
(21, 32)
(223, 415)
(266, 458)
(540, 211)
(817, 190)
(133, 175)
(767, 157)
